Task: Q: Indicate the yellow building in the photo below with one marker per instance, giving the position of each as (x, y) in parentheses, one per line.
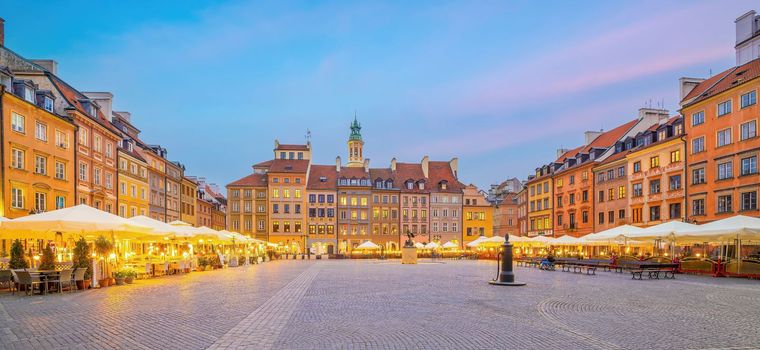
(133, 182)
(188, 193)
(540, 202)
(38, 154)
(477, 218)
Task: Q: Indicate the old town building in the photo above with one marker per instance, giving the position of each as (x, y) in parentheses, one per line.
(188, 193)
(477, 215)
(611, 187)
(414, 200)
(445, 200)
(173, 197)
(321, 193)
(354, 191)
(286, 181)
(505, 215)
(385, 209)
(522, 211)
(540, 199)
(38, 154)
(656, 174)
(247, 205)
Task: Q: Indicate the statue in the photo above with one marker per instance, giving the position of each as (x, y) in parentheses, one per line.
(409, 239)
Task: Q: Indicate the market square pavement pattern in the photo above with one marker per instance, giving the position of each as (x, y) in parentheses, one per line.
(369, 304)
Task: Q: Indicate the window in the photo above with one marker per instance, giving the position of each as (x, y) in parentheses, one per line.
(724, 108)
(601, 218)
(749, 200)
(675, 210)
(724, 204)
(621, 214)
(654, 213)
(749, 165)
(621, 192)
(47, 104)
(698, 176)
(40, 165)
(40, 200)
(675, 182)
(584, 196)
(675, 156)
(637, 167)
(638, 190)
(18, 123)
(61, 139)
(698, 207)
(40, 131)
(60, 171)
(584, 216)
(17, 160)
(109, 152)
(97, 145)
(654, 162)
(654, 186)
(611, 193)
(611, 217)
(725, 170)
(601, 196)
(698, 118)
(749, 99)
(60, 202)
(748, 130)
(724, 137)
(17, 198)
(698, 145)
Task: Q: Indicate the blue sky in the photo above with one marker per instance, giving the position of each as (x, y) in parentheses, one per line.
(501, 85)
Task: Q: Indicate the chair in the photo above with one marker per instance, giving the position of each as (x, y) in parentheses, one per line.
(79, 276)
(6, 278)
(28, 281)
(65, 278)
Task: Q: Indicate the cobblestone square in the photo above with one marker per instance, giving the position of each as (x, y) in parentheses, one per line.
(385, 305)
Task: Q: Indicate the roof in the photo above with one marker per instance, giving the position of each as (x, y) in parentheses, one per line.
(568, 154)
(288, 166)
(253, 180)
(608, 138)
(439, 171)
(319, 172)
(72, 96)
(357, 172)
(287, 147)
(407, 171)
(614, 157)
(723, 81)
(210, 191)
(383, 173)
(132, 153)
(264, 164)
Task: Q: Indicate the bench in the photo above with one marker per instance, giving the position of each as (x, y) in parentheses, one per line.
(653, 273)
(588, 269)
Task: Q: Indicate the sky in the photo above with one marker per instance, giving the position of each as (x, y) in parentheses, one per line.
(501, 85)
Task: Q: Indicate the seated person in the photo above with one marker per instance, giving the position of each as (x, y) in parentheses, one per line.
(547, 262)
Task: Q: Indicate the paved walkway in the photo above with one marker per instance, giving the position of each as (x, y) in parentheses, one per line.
(384, 305)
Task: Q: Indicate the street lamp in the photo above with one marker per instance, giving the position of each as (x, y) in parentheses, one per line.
(505, 275)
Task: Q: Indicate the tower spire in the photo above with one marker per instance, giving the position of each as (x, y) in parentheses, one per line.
(355, 144)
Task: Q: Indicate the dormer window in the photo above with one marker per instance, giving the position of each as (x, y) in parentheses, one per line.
(379, 184)
(443, 185)
(322, 179)
(421, 185)
(388, 184)
(24, 89)
(662, 134)
(410, 185)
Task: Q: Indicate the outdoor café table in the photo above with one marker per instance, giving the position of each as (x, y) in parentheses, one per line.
(44, 276)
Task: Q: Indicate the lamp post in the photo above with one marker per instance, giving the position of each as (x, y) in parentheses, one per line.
(506, 276)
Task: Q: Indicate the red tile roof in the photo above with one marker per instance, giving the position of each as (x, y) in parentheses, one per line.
(614, 157)
(441, 171)
(133, 154)
(253, 180)
(357, 173)
(410, 171)
(569, 154)
(608, 138)
(723, 81)
(286, 147)
(73, 96)
(288, 166)
(264, 164)
(382, 173)
(319, 172)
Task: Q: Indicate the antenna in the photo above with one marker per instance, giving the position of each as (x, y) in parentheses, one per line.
(308, 135)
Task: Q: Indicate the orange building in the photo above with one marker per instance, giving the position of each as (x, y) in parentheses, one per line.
(611, 187)
(38, 157)
(721, 116)
(656, 174)
(574, 182)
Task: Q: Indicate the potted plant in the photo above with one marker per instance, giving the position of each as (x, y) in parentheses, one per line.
(202, 263)
(131, 275)
(17, 258)
(81, 259)
(124, 275)
(47, 261)
(103, 247)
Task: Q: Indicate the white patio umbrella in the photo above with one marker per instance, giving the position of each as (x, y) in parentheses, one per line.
(449, 245)
(566, 240)
(739, 226)
(77, 220)
(419, 245)
(518, 239)
(432, 245)
(160, 228)
(541, 239)
(614, 233)
(368, 245)
(476, 242)
(667, 230)
(184, 230)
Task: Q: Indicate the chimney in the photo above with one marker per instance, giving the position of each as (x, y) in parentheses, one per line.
(104, 100)
(2, 32)
(393, 164)
(337, 163)
(653, 115)
(454, 164)
(590, 136)
(366, 165)
(125, 115)
(747, 26)
(424, 163)
(561, 151)
(686, 85)
(49, 65)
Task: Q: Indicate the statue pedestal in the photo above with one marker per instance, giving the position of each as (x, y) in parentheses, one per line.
(408, 255)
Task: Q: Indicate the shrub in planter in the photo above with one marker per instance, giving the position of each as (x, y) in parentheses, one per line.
(103, 247)
(47, 261)
(81, 259)
(17, 256)
(124, 275)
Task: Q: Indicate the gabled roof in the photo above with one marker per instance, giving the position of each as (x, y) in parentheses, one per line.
(441, 171)
(264, 164)
(253, 180)
(410, 171)
(382, 173)
(288, 166)
(358, 173)
(319, 172)
(72, 96)
(723, 81)
(608, 138)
